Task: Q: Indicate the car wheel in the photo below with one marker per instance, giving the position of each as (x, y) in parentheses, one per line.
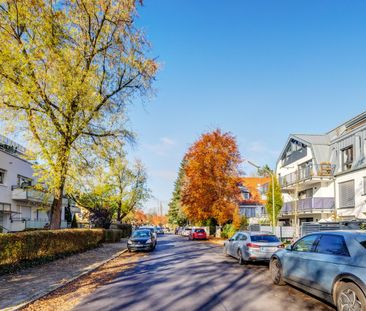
(350, 297)
(276, 272)
(240, 257)
(129, 250)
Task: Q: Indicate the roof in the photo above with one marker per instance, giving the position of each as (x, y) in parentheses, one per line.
(345, 232)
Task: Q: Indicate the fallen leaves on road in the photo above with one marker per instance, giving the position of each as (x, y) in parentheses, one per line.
(218, 241)
(68, 296)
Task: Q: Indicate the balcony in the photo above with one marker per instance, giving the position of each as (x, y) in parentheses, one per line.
(41, 223)
(314, 173)
(31, 195)
(309, 206)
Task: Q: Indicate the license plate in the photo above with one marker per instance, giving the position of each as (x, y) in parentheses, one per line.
(268, 249)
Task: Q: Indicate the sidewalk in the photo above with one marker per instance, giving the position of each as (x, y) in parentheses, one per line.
(29, 284)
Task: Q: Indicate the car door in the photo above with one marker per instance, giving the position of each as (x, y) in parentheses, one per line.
(232, 244)
(328, 261)
(295, 260)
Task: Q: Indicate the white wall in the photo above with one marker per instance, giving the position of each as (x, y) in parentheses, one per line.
(360, 197)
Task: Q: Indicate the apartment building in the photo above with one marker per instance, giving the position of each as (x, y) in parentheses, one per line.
(252, 203)
(21, 206)
(323, 176)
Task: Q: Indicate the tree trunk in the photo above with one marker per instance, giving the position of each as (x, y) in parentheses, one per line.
(56, 209)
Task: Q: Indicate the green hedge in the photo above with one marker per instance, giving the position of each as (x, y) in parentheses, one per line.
(25, 248)
(126, 229)
(228, 231)
(112, 235)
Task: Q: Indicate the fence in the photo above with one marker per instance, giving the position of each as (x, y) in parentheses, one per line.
(281, 231)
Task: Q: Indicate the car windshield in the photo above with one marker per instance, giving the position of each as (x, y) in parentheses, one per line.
(141, 234)
(199, 230)
(264, 238)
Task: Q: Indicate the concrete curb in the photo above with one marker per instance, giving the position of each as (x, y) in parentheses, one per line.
(54, 288)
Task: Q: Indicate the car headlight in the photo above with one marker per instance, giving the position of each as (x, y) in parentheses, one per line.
(129, 242)
(148, 241)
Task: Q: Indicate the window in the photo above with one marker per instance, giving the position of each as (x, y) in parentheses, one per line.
(24, 181)
(2, 176)
(364, 185)
(305, 244)
(264, 238)
(243, 237)
(332, 245)
(347, 194)
(5, 207)
(347, 158)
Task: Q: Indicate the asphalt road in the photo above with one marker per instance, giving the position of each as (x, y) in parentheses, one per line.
(195, 275)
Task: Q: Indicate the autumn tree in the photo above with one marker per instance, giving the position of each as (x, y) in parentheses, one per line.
(136, 217)
(277, 199)
(129, 181)
(176, 213)
(67, 70)
(211, 171)
(264, 171)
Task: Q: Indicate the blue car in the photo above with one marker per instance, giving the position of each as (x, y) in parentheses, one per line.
(330, 265)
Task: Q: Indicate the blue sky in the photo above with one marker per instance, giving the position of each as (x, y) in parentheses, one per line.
(259, 69)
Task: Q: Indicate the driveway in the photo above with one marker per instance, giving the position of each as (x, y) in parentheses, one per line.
(194, 275)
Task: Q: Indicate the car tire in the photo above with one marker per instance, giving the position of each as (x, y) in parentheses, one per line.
(276, 272)
(129, 249)
(240, 257)
(348, 296)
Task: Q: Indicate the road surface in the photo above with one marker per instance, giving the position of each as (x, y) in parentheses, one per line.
(195, 275)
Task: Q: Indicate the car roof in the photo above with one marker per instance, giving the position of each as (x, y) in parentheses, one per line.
(257, 232)
(342, 232)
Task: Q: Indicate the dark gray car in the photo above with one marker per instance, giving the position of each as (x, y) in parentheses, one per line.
(251, 246)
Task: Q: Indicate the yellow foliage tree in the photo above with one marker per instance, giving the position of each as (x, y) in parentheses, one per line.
(67, 70)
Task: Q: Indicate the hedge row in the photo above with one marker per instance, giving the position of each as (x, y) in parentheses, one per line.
(20, 249)
(112, 235)
(126, 229)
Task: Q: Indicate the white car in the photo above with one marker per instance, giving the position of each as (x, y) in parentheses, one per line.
(186, 231)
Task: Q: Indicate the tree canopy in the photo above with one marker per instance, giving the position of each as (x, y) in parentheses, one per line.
(67, 70)
(210, 188)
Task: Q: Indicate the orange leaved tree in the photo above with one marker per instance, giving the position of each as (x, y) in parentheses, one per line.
(210, 188)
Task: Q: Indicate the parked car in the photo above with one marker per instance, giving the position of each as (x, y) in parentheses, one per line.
(186, 231)
(159, 230)
(330, 265)
(151, 228)
(141, 240)
(251, 246)
(198, 234)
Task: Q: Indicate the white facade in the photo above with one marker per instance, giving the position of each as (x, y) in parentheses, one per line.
(20, 206)
(323, 177)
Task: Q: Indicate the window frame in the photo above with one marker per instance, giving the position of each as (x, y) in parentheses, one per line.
(347, 165)
(340, 194)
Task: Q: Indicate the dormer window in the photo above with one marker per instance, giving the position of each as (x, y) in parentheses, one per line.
(2, 176)
(347, 158)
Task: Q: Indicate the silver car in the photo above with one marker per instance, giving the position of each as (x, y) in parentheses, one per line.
(329, 264)
(251, 246)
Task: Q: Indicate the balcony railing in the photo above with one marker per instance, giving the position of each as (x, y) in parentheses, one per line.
(41, 223)
(308, 205)
(317, 170)
(30, 194)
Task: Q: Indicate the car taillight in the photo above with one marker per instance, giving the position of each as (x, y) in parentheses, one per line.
(281, 246)
(251, 245)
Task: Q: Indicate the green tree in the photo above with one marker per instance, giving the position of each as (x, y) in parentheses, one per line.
(264, 171)
(278, 200)
(67, 70)
(176, 214)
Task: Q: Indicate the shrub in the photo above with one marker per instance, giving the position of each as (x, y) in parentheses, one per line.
(25, 248)
(228, 231)
(112, 235)
(125, 228)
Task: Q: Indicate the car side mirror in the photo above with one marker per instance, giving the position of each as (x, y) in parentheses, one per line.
(289, 247)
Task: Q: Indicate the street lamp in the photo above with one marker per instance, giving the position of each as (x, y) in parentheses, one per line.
(273, 194)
